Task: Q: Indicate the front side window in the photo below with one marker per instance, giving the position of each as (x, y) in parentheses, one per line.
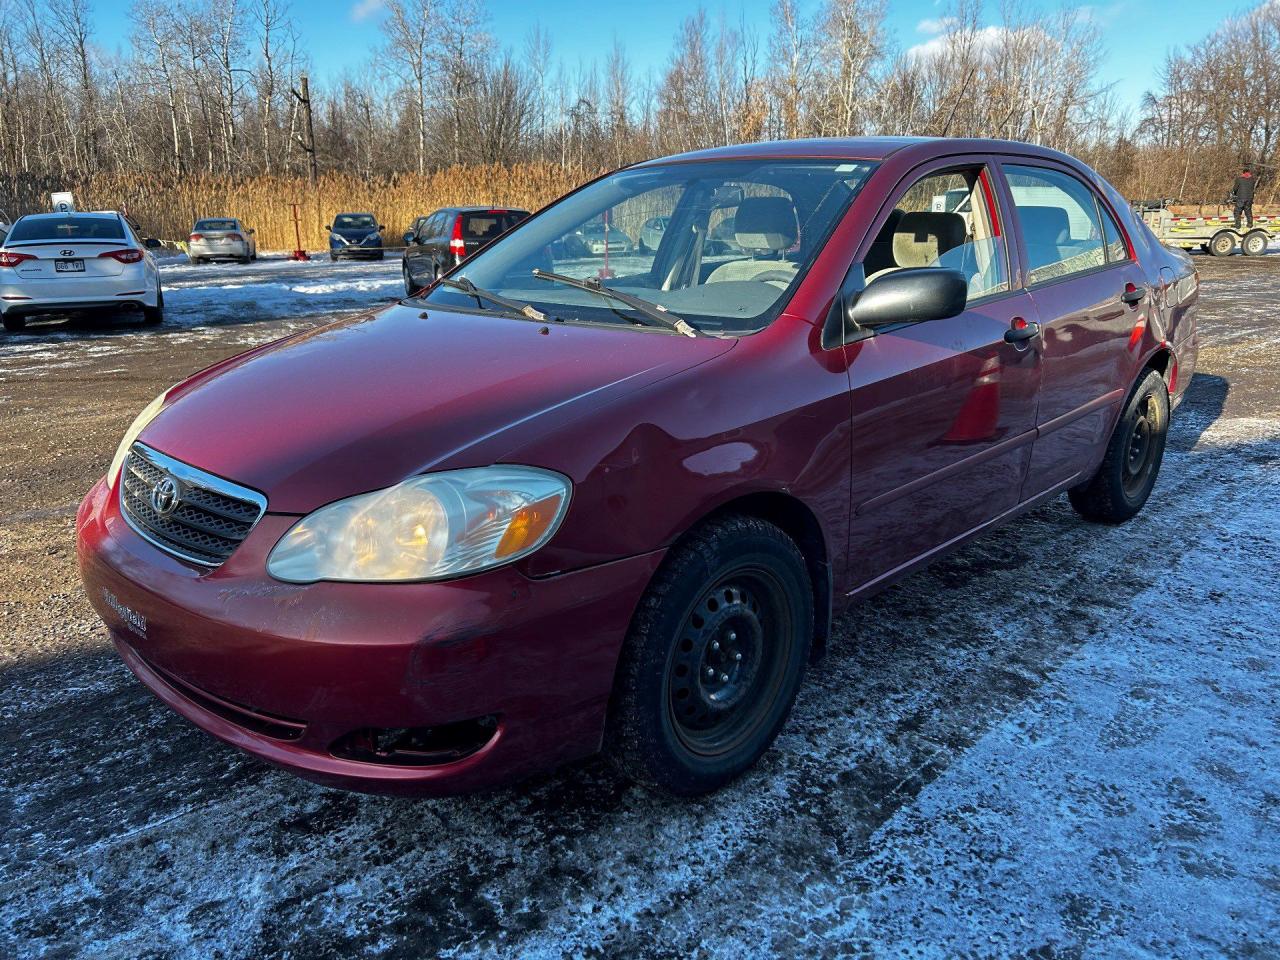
(1060, 223)
(944, 220)
(718, 243)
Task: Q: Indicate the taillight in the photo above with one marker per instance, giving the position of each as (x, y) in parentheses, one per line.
(456, 244)
(8, 259)
(123, 256)
(197, 237)
(235, 236)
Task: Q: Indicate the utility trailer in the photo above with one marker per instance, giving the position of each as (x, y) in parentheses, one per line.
(1215, 235)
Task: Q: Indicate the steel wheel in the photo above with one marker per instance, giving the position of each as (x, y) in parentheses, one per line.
(724, 673)
(1142, 447)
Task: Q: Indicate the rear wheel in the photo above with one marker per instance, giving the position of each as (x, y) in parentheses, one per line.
(1255, 243)
(14, 324)
(714, 658)
(1223, 244)
(152, 316)
(1129, 469)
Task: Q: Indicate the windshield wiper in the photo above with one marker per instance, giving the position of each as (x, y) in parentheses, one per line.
(469, 288)
(653, 311)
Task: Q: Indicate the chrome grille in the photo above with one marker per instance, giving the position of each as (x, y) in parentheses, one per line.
(203, 519)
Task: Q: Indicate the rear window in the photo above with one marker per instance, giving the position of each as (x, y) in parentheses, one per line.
(487, 226)
(66, 228)
(215, 225)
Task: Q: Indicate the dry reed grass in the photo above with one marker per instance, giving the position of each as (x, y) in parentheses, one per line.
(166, 206)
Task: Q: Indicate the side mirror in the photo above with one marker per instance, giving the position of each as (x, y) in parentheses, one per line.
(408, 238)
(151, 243)
(909, 295)
(250, 230)
(327, 227)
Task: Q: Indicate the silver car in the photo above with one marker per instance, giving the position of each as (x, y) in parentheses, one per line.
(60, 263)
(221, 238)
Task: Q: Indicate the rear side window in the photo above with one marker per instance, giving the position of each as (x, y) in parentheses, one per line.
(1117, 250)
(488, 226)
(1061, 226)
(66, 228)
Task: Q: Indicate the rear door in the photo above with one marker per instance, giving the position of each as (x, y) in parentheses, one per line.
(943, 412)
(1080, 270)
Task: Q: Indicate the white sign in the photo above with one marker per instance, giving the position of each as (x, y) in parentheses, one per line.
(62, 202)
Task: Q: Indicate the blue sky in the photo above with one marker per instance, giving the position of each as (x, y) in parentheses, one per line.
(340, 33)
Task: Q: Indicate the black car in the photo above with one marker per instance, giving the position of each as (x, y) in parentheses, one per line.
(355, 235)
(447, 237)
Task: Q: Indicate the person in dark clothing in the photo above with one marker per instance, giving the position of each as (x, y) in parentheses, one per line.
(1242, 197)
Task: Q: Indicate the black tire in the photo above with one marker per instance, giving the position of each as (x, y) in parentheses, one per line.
(333, 257)
(733, 598)
(196, 261)
(1131, 465)
(410, 288)
(1254, 243)
(15, 324)
(153, 316)
(1222, 244)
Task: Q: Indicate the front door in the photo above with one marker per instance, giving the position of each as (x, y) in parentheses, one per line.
(1091, 296)
(943, 411)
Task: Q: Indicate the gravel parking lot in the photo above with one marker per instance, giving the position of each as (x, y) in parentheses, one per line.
(1063, 741)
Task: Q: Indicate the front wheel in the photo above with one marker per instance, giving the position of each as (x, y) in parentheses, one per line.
(1129, 469)
(409, 287)
(1223, 244)
(14, 324)
(714, 658)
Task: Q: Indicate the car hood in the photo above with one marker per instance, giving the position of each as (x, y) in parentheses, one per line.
(355, 235)
(364, 403)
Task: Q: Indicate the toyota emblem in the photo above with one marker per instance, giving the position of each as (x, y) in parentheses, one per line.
(166, 496)
(66, 253)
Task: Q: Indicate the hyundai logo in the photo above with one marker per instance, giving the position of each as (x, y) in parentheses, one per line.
(66, 253)
(166, 496)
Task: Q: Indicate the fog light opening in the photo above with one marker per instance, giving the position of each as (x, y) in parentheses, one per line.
(416, 746)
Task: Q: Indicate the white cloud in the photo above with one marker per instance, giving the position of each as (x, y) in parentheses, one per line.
(985, 38)
(932, 26)
(364, 9)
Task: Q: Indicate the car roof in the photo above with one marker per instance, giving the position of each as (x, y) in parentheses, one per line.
(857, 148)
(69, 214)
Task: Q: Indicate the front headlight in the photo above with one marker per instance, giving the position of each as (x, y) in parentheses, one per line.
(135, 430)
(431, 527)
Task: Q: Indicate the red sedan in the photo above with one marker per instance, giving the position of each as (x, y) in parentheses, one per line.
(559, 503)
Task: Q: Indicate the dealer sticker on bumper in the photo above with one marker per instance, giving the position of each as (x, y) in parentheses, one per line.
(132, 618)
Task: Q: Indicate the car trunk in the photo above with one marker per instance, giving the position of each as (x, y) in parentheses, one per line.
(69, 260)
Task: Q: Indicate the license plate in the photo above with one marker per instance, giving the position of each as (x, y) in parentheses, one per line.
(68, 266)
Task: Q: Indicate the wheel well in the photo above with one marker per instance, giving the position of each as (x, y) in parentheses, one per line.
(1159, 362)
(798, 522)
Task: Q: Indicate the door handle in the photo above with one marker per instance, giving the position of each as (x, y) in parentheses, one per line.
(1133, 295)
(1021, 331)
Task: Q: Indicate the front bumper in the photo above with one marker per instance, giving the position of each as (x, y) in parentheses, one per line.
(328, 659)
(357, 253)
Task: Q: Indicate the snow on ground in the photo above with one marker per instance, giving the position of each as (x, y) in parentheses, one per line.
(1062, 741)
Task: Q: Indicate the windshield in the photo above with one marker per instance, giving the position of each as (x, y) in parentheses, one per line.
(216, 225)
(354, 221)
(66, 228)
(736, 237)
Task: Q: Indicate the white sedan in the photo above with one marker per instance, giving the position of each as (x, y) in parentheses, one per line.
(221, 238)
(58, 263)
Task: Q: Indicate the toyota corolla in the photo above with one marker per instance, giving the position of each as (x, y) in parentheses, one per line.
(545, 508)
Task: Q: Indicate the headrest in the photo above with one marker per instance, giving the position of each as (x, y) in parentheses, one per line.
(1048, 225)
(765, 223)
(921, 238)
